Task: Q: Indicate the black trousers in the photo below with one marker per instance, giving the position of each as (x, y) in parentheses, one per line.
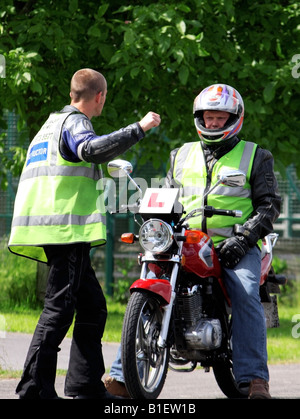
(72, 288)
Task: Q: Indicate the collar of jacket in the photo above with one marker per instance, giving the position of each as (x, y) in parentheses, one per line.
(216, 150)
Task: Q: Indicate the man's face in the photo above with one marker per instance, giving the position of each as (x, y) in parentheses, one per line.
(215, 119)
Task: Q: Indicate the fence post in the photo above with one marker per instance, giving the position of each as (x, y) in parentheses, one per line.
(109, 254)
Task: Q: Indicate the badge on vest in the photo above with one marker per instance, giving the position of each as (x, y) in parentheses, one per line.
(38, 152)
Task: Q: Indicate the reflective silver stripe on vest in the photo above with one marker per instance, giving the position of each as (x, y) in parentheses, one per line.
(246, 157)
(237, 191)
(180, 160)
(64, 219)
(89, 172)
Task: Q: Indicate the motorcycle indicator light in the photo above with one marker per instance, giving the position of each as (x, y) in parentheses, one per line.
(156, 236)
(193, 236)
(128, 238)
(183, 260)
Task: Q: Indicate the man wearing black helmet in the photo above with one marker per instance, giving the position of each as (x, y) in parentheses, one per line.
(218, 115)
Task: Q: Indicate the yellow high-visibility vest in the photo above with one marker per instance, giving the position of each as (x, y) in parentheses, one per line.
(190, 174)
(56, 201)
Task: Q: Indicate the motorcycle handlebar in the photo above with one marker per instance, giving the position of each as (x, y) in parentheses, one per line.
(210, 211)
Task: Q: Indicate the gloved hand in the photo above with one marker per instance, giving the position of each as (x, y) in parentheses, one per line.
(231, 251)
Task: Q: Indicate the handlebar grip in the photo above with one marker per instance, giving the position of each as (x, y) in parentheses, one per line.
(229, 213)
(210, 211)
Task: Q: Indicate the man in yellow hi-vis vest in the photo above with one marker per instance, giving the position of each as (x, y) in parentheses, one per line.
(56, 221)
(218, 116)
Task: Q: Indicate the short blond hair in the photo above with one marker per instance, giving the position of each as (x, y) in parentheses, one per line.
(86, 83)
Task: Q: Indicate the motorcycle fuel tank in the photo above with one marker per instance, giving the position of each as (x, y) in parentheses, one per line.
(201, 258)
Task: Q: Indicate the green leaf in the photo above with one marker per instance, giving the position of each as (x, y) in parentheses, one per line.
(183, 74)
(27, 76)
(183, 8)
(181, 26)
(269, 92)
(123, 9)
(32, 55)
(73, 6)
(179, 54)
(36, 87)
(94, 31)
(129, 37)
(36, 28)
(102, 10)
(134, 72)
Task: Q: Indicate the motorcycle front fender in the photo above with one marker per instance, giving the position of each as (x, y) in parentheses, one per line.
(160, 287)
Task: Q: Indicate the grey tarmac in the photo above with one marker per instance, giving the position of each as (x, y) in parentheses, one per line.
(284, 378)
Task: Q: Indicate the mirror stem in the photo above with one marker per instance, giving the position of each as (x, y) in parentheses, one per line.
(135, 184)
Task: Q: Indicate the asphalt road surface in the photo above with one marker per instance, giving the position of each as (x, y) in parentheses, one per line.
(284, 378)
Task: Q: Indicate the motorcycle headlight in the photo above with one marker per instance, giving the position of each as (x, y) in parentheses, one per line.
(156, 236)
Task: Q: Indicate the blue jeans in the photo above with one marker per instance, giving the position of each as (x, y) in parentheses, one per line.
(249, 342)
(249, 333)
(116, 368)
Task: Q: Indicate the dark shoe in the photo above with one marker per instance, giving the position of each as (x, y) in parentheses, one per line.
(116, 387)
(259, 389)
(244, 389)
(100, 396)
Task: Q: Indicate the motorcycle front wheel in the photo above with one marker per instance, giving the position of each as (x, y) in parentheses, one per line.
(144, 364)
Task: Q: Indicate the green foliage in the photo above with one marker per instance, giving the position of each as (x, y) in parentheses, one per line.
(157, 56)
(279, 265)
(123, 282)
(290, 292)
(17, 280)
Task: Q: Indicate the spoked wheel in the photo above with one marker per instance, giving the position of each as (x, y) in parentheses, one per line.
(145, 365)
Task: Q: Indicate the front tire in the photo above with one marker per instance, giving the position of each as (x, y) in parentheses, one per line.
(145, 365)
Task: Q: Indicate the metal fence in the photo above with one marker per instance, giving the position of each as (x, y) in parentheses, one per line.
(8, 139)
(288, 224)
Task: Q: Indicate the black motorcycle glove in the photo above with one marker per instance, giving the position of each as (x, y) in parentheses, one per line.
(231, 251)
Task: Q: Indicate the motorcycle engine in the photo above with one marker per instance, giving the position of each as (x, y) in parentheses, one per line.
(200, 332)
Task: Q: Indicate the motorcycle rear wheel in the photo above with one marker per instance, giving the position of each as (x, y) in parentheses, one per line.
(144, 364)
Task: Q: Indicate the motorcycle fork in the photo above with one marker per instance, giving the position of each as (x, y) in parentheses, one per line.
(167, 309)
(161, 343)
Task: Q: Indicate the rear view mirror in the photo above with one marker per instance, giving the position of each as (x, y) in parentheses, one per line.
(232, 178)
(119, 168)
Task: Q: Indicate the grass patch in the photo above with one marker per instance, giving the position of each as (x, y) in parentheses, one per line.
(282, 346)
(24, 320)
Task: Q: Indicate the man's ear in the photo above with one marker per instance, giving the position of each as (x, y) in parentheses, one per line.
(98, 97)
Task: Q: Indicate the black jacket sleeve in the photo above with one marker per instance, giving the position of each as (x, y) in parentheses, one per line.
(102, 149)
(266, 200)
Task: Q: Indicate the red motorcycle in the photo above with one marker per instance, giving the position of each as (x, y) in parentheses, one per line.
(179, 313)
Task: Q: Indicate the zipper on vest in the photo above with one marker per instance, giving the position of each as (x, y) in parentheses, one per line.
(209, 169)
